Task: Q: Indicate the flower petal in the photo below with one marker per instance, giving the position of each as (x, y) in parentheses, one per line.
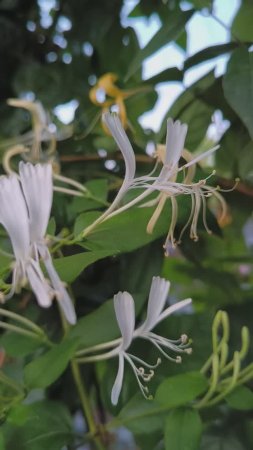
(173, 308)
(175, 139)
(118, 381)
(125, 314)
(39, 286)
(157, 298)
(112, 122)
(61, 293)
(37, 186)
(14, 216)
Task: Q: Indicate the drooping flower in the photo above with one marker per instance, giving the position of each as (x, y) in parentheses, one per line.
(37, 185)
(14, 218)
(166, 183)
(125, 315)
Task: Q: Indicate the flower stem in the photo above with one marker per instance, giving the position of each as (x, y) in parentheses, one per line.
(84, 398)
(85, 403)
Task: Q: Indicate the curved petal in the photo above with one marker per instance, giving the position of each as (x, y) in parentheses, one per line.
(173, 308)
(37, 186)
(14, 216)
(125, 314)
(61, 293)
(175, 139)
(116, 390)
(157, 298)
(39, 286)
(112, 122)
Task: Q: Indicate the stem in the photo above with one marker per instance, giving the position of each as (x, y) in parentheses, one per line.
(18, 318)
(85, 403)
(19, 330)
(84, 398)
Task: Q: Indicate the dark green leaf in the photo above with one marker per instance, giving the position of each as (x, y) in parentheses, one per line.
(117, 233)
(238, 85)
(208, 53)
(42, 425)
(17, 345)
(169, 31)
(171, 74)
(242, 24)
(69, 267)
(181, 389)
(44, 370)
(183, 430)
(240, 398)
(96, 327)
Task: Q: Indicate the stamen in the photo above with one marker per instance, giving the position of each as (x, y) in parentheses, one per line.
(170, 237)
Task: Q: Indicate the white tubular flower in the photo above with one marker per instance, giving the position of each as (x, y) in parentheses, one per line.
(175, 139)
(37, 186)
(14, 218)
(113, 123)
(166, 181)
(155, 314)
(125, 314)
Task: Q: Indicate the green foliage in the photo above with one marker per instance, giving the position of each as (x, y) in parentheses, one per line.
(238, 85)
(45, 369)
(183, 429)
(204, 403)
(181, 389)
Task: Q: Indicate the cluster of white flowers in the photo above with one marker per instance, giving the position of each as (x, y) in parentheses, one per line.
(166, 181)
(125, 315)
(25, 209)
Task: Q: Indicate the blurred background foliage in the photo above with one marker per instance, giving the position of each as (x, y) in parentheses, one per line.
(56, 52)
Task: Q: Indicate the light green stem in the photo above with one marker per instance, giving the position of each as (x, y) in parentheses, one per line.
(18, 318)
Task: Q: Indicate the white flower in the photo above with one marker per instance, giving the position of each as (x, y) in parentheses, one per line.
(125, 314)
(166, 181)
(14, 218)
(37, 186)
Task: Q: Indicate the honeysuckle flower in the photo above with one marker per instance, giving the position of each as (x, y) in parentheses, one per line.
(14, 218)
(37, 185)
(125, 315)
(165, 183)
(106, 94)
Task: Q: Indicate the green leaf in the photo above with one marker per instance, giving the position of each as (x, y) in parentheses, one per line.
(223, 442)
(43, 371)
(171, 74)
(142, 416)
(181, 389)
(98, 189)
(69, 267)
(84, 220)
(39, 426)
(17, 345)
(238, 85)
(170, 30)
(127, 231)
(242, 25)
(240, 398)
(193, 110)
(183, 430)
(245, 163)
(96, 327)
(208, 53)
